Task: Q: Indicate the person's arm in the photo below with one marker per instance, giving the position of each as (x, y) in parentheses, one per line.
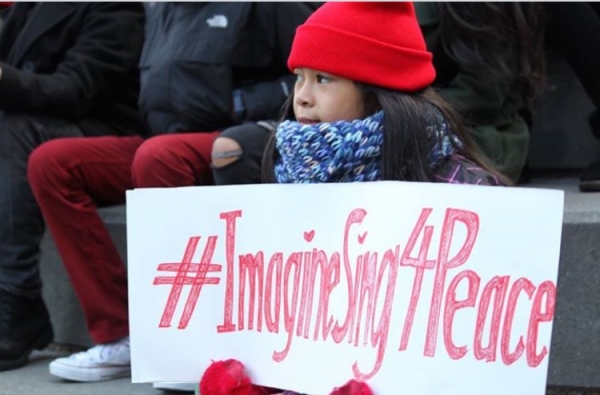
(257, 101)
(268, 97)
(106, 48)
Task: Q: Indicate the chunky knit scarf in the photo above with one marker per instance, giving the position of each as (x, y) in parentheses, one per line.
(346, 151)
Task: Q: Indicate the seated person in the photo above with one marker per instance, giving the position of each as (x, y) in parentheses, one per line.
(67, 71)
(204, 67)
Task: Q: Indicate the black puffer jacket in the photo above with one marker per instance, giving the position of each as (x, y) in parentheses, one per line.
(207, 66)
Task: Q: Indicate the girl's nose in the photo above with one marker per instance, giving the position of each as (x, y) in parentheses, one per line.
(302, 96)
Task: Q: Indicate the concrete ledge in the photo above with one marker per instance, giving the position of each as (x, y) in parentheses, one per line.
(575, 349)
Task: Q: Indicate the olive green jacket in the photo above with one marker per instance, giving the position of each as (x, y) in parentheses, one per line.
(490, 104)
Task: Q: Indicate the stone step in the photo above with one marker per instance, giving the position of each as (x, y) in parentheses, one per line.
(575, 350)
(34, 379)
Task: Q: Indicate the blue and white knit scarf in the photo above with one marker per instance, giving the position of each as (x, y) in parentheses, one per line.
(345, 151)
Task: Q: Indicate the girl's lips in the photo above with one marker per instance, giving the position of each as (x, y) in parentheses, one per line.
(306, 121)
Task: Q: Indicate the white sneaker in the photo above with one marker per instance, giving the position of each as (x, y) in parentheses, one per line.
(174, 386)
(101, 362)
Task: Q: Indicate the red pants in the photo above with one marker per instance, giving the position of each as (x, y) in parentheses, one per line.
(70, 177)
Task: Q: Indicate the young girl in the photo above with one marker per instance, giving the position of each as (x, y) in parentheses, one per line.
(364, 109)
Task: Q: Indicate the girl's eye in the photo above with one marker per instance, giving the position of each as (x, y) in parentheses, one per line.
(299, 78)
(321, 79)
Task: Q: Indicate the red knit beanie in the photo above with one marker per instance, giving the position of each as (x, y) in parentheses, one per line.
(377, 43)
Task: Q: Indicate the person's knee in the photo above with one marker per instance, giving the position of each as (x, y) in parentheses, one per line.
(150, 151)
(225, 151)
(160, 162)
(153, 153)
(48, 164)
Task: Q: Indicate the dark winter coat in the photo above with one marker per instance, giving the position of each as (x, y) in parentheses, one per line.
(76, 61)
(208, 66)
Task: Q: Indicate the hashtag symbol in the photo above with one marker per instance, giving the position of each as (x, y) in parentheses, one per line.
(181, 278)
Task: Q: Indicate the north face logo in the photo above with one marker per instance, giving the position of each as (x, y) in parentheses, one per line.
(217, 21)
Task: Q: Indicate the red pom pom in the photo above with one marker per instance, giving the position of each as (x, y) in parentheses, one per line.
(353, 387)
(226, 378)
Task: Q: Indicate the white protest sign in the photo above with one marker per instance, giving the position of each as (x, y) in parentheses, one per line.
(415, 288)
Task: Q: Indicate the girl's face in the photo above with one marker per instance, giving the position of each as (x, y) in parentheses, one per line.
(322, 97)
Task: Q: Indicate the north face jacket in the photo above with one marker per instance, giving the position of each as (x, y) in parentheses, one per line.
(208, 66)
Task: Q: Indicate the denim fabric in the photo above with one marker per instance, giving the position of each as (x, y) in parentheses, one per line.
(21, 222)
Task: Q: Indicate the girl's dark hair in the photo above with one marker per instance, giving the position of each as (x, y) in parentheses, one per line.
(406, 142)
(505, 37)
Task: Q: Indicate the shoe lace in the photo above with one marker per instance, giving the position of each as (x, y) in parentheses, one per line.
(103, 352)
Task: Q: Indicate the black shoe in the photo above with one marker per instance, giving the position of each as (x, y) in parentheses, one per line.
(24, 326)
(590, 178)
